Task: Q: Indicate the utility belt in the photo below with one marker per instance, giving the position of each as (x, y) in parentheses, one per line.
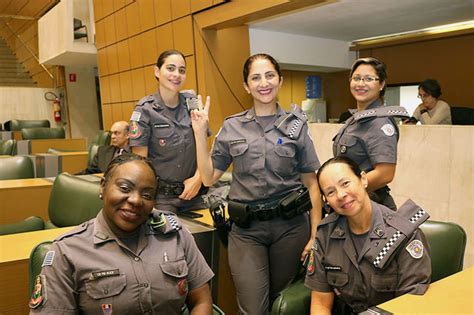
(288, 207)
(174, 189)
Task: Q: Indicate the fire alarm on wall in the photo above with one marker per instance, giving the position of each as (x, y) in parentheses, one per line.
(72, 77)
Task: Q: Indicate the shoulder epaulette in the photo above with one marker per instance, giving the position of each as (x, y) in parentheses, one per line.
(146, 99)
(383, 111)
(237, 115)
(75, 230)
(164, 222)
(291, 123)
(404, 222)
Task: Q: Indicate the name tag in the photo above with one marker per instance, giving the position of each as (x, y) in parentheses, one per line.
(104, 273)
(161, 125)
(333, 268)
(238, 141)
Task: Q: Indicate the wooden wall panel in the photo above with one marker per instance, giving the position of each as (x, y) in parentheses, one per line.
(127, 109)
(138, 83)
(107, 7)
(115, 93)
(183, 35)
(118, 4)
(100, 34)
(164, 37)
(107, 116)
(191, 81)
(104, 90)
(136, 58)
(109, 26)
(147, 14)
(198, 5)
(162, 11)
(151, 85)
(98, 9)
(133, 22)
(180, 8)
(112, 59)
(123, 55)
(117, 114)
(126, 86)
(120, 24)
(102, 61)
(148, 44)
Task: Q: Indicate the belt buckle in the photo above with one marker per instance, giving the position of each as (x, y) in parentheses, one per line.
(264, 214)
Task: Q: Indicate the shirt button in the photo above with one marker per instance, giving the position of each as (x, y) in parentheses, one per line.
(145, 285)
(106, 291)
(136, 258)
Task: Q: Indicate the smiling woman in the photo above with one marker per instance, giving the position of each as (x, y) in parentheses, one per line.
(130, 259)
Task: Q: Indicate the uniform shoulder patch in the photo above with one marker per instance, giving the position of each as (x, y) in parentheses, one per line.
(134, 132)
(76, 230)
(38, 294)
(415, 249)
(388, 130)
(135, 116)
(311, 264)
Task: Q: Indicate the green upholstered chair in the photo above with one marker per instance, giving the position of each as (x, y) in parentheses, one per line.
(18, 124)
(72, 201)
(16, 167)
(93, 148)
(36, 260)
(29, 224)
(7, 147)
(102, 138)
(447, 243)
(43, 133)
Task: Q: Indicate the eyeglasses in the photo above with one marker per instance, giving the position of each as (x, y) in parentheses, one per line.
(422, 96)
(367, 79)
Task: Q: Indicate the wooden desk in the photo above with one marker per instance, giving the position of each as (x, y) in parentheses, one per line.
(15, 252)
(22, 198)
(43, 145)
(451, 295)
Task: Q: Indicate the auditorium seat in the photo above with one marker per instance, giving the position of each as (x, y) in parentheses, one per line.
(18, 124)
(7, 147)
(16, 167)
(72, 201)
(33, 223)
(462, 115)
(43, 133)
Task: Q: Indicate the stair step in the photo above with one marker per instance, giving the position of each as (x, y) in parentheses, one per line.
(14, 80)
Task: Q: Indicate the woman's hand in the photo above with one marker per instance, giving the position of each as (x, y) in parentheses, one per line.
(192, 185)
(307, 249)
(200, 118)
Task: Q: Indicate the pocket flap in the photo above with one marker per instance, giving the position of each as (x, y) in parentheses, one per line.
(106, 287)
(238, 149)
(176, 269)
(337, 279)
(384, 283)
(285, 151)
(348, 141)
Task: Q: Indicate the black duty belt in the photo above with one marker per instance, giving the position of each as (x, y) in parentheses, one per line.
(264, 212)
(170, 189)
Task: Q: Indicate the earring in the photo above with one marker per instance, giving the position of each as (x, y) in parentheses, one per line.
(100, 195)
(365, 186)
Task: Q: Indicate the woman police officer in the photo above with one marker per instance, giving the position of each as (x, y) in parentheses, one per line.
(130, 259)
(370, 136)
(364, 253)
(273, 156)
(160, 128)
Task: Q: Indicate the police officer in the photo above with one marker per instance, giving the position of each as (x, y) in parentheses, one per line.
(160, 128)
(130, 259)
(364, 253)
(370, 136)
(273, 158)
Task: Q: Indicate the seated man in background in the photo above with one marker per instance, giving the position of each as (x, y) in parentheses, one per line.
(105, 154)
(432, 110)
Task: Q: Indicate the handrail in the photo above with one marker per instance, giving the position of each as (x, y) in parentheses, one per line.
(29, 50)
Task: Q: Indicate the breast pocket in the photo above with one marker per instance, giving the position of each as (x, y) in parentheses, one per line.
(239, 153)
(285, 162)
(165, 135)
(105, 287)
(175, 278)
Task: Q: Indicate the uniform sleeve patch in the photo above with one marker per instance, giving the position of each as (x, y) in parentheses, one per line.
(48, 258)
(134, 130)
(388, 130)
(311, 263)
(415, 249)
(38, 294)
(135, 116)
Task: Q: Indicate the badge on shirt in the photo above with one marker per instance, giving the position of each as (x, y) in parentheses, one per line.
(134, 130)
(48, 258)
(388, 130)
(135, 116)
(311, 264)
(162, 142)
(38, 294)
(343, 149)
(415, 249)
(183, 287)
(106, 309)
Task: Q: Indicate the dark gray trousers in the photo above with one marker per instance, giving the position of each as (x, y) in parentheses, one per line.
(264, 259)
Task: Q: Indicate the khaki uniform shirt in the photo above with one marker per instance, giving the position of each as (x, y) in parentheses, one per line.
(266, 162)
(94, 272)
(393, 261)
